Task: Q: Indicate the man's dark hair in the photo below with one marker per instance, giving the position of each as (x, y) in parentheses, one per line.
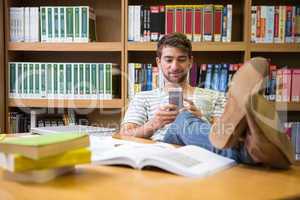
(177, 40)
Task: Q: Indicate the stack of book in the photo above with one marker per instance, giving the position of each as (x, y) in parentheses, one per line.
(39, 159)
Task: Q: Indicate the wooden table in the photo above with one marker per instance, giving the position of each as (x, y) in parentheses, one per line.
(112, 182)
(103, 182)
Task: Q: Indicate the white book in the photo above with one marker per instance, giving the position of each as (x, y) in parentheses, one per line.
(130, 23)
(190, 161)
(229, 22)
(31, 24)
(43, 24)
(76, 21)
(37, 176)
(27, 24)
(101, 81)
(130, 80)
(12, 23)
(137, 23)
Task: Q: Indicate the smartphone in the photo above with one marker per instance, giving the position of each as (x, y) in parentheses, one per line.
(176, 97)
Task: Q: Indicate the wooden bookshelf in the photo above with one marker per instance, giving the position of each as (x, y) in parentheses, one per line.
(287, 106)
(292, 48)
(76, 103)
(92, 46)
(197, 46)
(111, 43)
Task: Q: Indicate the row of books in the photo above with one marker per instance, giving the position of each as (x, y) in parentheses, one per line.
(293, 130)
(143, 77)
(60, 80)
(279, 24)
(52, 24)
(198, 22)
(283, 85)
(19, 122)
(39, 159)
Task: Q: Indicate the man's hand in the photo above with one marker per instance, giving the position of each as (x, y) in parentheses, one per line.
(164, 115)
(190, 106)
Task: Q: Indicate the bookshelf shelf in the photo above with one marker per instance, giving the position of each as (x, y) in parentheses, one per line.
(275, 47)
(38, 46)
(288, 106)
(197, 46)
(53, 103)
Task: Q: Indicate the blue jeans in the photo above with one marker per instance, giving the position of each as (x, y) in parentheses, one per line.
(190, 130)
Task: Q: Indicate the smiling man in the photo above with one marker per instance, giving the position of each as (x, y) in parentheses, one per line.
(233, 129)
(149, 114)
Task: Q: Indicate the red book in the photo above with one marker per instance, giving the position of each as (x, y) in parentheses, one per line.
(208, 23)
(258, 24)
(170, 12)
(295, 85)
(218, 12)
(188, 13)
(179, 20)
(286, 85)
(198, 23)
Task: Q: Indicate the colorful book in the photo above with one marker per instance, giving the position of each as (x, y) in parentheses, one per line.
(36, 147)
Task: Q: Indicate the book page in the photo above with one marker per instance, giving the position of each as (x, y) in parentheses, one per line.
(189, 161)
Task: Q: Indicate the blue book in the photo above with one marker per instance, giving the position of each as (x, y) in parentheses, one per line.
(149, 77)
(216, 77)
(208, 77)
(223, 83)
(296, 138)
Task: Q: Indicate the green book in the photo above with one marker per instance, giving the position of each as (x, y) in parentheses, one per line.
(70, 24)
(56, 23)
(94, 80)
(20, 76)
(43, 80)
(55, 74)
(108, 80)
(37, 78)
(25, 78)
(12, 78)
(77, 23)
(81, 79)
(40, 146)
(62, 20)
(31, 79)
(49, 24)
(43, 24)
(61, 79)
(101, 80)
(75, 78)
(87, 80)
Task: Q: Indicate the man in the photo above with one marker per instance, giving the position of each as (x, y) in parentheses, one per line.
(150, 115)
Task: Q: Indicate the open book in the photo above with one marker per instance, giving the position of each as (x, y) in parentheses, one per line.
(189, 160)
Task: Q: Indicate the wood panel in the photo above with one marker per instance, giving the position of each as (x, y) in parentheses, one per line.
(2, 70)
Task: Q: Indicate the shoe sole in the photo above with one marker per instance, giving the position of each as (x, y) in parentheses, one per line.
(227, 130)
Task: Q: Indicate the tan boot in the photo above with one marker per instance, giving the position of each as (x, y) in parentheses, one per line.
(266, 141)
(226, 131)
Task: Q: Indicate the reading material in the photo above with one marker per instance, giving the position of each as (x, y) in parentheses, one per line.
(37, 147)
(19, 163)
(189, 160)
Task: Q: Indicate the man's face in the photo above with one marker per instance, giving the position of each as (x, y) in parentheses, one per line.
(175, 64)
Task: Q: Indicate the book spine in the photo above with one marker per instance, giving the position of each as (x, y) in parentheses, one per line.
(297, 24)
(223, 83)
(69, 24)
(19, 81)
(170, 19)
(208, 76)
(295, 96)
(198, 23)
(188, 22)
(149, 77)
(162, 20)
(289, 24)
(269, 37)
(130, 22)
(224, 24)
(77, 31)
(179, 19)
(56, 24)
(208, 23)
(218, 12)
(154, 23)
(276, 24)
(229, 22)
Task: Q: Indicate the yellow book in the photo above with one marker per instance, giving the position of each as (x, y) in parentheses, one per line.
(19, 163)
(37, 147)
